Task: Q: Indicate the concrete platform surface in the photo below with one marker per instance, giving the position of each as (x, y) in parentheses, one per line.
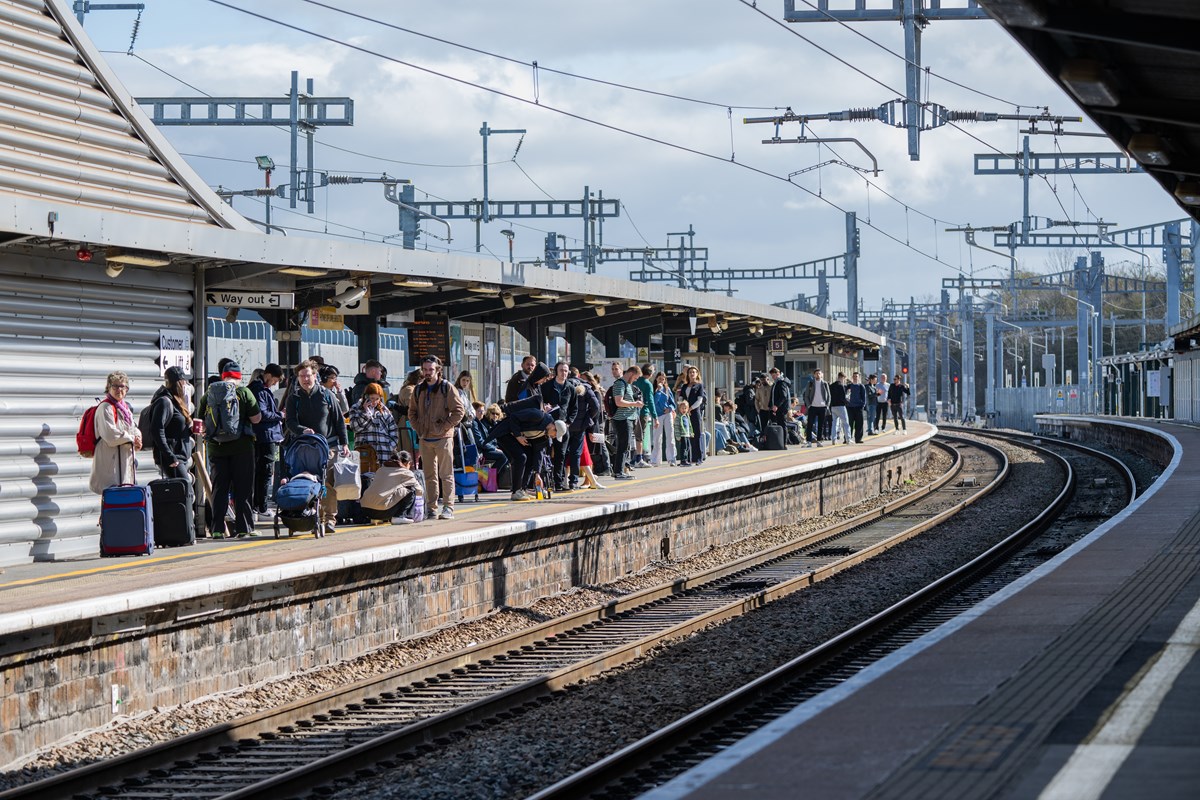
(1078, 682)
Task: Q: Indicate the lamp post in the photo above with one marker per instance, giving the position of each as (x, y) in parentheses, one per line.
(1093, 355)
(1016, 342)
(266, 164)
(508, 234)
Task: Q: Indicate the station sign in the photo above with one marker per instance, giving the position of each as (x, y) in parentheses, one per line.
(325, 318)
(777, 347)
(264, 300)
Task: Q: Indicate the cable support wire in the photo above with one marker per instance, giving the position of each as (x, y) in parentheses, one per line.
(902, 57)
(531, 64)
(571, 115)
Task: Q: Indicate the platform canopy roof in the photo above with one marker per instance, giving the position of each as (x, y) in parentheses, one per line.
(82, 168)
(1134, 68)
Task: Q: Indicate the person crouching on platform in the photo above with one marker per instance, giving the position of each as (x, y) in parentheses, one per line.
(526, 431)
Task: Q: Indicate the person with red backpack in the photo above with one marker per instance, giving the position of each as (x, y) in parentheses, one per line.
(114, 436)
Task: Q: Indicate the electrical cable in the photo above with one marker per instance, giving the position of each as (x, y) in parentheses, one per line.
(565, 113)
(534, 65)
(906, 60)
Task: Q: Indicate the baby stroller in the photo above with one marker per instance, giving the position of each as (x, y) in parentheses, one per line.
(298, 500)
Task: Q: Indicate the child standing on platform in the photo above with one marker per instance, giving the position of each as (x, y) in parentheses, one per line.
(683, 434)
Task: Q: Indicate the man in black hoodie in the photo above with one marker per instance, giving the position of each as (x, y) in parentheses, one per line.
(781, 396)
(372, 372)
(268, 433)
(516, 384)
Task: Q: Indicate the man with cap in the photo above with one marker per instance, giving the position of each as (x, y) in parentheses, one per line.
(229, 411)
(526, 430)
(268, 433)
(434, 412)
(372, 372)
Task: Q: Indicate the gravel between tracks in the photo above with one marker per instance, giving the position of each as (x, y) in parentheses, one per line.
(163, 724)
(513, 759)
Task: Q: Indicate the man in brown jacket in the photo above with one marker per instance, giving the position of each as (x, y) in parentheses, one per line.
(434, 412)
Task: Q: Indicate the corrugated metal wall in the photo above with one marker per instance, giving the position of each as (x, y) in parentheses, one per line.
(62, 137)
(62, 331)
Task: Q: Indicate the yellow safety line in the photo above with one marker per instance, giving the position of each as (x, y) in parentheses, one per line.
(140, 562)
(459, 511)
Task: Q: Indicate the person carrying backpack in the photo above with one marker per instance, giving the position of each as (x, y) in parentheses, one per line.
(170, 426)
(113, 435)
(229, 411)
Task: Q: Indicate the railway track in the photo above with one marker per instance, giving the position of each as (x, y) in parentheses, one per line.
(1085, 500)
(287, 751)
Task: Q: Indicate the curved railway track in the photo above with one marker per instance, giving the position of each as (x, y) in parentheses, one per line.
(287, 751)
(1083, 503)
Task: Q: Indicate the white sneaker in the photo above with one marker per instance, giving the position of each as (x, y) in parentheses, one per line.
(401, 521)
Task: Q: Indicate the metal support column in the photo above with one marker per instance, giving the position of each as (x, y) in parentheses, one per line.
(989, 391)
(931, 376)
(852, 253)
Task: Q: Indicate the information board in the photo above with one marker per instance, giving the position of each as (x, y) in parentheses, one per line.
(428, 336)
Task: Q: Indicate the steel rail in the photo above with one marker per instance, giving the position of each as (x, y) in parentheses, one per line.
(304, 777)
(638, 755)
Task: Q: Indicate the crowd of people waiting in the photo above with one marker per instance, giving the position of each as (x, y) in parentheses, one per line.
(558, 428)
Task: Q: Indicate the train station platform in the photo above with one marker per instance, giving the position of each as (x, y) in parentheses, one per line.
(1079, 681)
(184, 622)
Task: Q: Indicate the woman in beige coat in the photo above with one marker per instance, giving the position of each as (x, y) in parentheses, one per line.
(117, 437)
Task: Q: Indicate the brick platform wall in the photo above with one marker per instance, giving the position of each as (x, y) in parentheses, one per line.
(59, 682)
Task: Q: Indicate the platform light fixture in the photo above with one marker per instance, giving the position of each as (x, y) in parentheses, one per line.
(303, 272)
(1188, 193)
(673, 310)
(600, 310)
(592, 300)
(1085, 79)
(413, 281)
(639, 305)
(544, 294)
(508, 299)
(1149, 149)
(136, 258)
(483, 288)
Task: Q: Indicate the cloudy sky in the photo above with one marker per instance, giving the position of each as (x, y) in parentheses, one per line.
(675, 154)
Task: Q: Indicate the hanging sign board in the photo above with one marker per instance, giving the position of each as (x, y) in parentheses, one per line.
(777, 347)
(325, 319)
(264, 300)
(428, 336)
(175, 350)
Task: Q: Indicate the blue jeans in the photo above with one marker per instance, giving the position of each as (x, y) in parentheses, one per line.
(722, 435)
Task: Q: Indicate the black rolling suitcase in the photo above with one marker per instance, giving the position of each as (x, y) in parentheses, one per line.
(774, 437)
(174, 517)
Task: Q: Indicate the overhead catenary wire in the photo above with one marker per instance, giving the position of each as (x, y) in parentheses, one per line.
(563, 112)
(534, 65)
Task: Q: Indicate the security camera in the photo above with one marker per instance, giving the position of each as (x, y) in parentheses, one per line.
(113, 270)
(348, 297)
